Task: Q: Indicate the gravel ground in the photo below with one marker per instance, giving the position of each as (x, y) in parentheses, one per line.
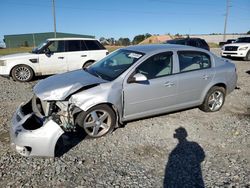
(145, 153)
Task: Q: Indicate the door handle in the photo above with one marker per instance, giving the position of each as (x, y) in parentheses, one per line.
(205, 77)
(83, 55)
(169, 84)
(60, 57)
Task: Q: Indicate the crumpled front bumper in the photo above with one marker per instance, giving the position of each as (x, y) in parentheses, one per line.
(40, 141)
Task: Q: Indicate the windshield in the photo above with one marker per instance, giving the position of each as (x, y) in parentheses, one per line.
(39, 47)
(114, 64)
(243, 40)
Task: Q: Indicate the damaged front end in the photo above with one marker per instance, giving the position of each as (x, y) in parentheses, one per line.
(37, 126)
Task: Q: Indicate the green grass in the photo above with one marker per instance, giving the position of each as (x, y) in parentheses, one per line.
(213, 45)
(7, 51)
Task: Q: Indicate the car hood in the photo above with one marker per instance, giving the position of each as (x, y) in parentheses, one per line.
(238, 44)
(60, 86)
(18, 56)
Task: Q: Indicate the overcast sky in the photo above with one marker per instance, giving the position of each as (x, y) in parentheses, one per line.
(124, 18)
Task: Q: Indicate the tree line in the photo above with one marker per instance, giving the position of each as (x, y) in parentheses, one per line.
(124, 41)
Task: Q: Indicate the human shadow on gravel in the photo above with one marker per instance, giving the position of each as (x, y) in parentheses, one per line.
(69, 140)
(184, 163)
(248, 72)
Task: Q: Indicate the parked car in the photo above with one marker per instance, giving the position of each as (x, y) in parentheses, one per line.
(130, 83)
(229, 41)
(195, 42)
(241, 48)
(54, 56)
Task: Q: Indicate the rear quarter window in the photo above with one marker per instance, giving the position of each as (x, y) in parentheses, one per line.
(93, 45)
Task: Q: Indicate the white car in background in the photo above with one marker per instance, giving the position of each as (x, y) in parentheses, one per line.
(56, 55)
(240, 48)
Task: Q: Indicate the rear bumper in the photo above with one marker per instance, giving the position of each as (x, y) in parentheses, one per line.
(40, 141)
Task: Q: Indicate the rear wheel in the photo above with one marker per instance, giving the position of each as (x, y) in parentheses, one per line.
(97, 121)
(247, 58)
(22, 73)
(214, 99)
(87, 64)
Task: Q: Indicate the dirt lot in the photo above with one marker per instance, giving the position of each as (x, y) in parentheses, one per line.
(145, 153)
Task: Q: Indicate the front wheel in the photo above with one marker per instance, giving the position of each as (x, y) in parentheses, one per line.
(214, 99)
(22, 73)
(247, 58)
(97, 121)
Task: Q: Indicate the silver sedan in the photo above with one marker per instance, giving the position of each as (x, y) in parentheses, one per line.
(130, 83)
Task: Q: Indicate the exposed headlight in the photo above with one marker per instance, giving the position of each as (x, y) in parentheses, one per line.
(2, 62)
(243, 48)
(223, 48)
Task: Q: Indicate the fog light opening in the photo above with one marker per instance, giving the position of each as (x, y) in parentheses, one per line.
(24, 150)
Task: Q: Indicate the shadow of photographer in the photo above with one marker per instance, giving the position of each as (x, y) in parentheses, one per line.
(184, 163)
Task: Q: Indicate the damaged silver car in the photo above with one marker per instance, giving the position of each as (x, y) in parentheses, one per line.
(130, 83)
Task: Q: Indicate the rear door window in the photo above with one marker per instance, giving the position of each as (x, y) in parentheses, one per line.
(193, 60)
(73, 45)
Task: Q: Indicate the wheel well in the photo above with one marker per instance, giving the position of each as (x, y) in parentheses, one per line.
(221, 85)
(89, 61)
(19, 65)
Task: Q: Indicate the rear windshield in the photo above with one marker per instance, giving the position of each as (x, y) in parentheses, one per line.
(182, 42)
(243, 39)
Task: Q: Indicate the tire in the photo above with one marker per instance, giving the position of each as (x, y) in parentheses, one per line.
(247, 58)
(214, 99)
(97, 121)
(87, 64)
(22, 73)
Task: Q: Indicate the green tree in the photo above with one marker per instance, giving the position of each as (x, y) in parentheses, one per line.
(139, 38)
(123, 41)
(248, 32)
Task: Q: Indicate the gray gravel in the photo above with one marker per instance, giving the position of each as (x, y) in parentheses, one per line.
(144, 152)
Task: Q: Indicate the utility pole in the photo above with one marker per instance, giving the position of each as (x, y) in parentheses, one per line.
(54, 15)
(226, 17)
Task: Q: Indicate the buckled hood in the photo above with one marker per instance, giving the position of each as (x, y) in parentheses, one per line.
(60, 86)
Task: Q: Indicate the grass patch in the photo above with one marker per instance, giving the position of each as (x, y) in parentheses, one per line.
(213, 45)
(113, 48)
(7, 51)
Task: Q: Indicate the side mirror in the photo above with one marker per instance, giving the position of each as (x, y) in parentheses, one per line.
(47, 52)
(138, 77)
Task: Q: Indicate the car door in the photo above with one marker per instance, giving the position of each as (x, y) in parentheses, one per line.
(53, 59)
(155, 95)
(77, 54)
(195, 73)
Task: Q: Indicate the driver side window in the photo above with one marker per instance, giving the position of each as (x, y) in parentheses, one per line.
(157, 66)
(56, 46)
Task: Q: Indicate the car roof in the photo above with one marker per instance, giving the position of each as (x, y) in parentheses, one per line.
(71, 38)
(160, 47)
(188, 38)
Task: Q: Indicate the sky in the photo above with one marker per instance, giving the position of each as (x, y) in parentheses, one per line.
(124, 18)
